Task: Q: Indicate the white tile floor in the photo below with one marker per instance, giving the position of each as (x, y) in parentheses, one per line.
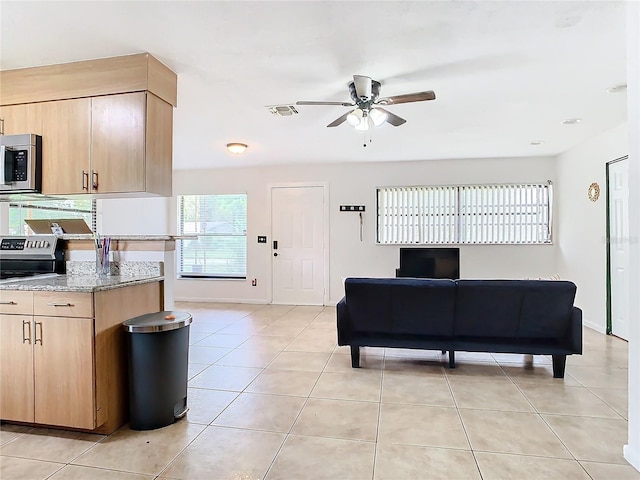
(271, 396)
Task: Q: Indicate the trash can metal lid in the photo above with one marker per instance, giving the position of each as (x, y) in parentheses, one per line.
(157, 322)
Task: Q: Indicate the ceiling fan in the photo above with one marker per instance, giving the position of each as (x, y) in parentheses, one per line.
(365, 96)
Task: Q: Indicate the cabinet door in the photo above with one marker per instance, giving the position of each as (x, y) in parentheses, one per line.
(118, 143)
(20, 119)
(159, 146)
(16, 368)
(64, 371)
(66, 150)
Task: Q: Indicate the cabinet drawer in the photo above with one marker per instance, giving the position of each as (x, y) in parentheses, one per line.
(16, 301)
(63, 304)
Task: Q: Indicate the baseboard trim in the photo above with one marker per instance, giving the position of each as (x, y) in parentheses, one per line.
(595, 326)
(253, 301)
(632, 456)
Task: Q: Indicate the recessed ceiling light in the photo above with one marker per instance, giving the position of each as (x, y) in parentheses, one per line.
(236, 148)
(536, 142)
(617, 88)
(571, 121)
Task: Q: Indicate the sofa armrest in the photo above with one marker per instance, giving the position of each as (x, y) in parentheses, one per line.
(343, 322)
(576, 330)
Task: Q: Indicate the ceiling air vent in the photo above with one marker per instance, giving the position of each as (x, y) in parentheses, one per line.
(282, 110)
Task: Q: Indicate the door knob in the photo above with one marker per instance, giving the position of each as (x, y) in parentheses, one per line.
(275, 254)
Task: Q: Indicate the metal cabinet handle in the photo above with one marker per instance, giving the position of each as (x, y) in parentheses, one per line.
(3, 152)
(10, 302)
(1, 126)
(25, 338)
(85, 180)
(36, 332)
(55, 304)
(94, 180)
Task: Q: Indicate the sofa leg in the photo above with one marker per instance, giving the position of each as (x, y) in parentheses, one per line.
(443, 351)
(559, 361)
(452, 359)
(355, 356)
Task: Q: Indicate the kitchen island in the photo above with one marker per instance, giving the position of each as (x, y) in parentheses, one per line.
(63, 356)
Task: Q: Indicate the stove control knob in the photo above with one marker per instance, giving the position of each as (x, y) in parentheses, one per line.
(27, 244)
(45, 244)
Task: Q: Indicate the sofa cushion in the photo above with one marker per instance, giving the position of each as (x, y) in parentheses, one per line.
(546, 309)
(487, 308)
(401, 305)
(513, 309)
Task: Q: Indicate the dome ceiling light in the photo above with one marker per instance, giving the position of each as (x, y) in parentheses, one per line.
(237, 148)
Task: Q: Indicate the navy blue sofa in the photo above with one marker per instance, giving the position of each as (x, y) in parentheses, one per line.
(503, 316)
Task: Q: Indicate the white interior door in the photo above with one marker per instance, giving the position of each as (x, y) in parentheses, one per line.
(297, 216)
(619, 246)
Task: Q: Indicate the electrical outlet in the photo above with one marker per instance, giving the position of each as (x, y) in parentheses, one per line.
(254, 282)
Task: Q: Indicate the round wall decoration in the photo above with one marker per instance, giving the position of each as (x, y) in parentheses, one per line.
(593, 192)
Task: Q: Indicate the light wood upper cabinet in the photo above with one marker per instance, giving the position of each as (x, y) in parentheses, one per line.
(112, 144)
(106, 124)
(21, 119)
(66, 146)
(117, 143)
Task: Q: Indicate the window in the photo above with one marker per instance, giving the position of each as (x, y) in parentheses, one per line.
(220, 221)
(28, 210)
(470, 214)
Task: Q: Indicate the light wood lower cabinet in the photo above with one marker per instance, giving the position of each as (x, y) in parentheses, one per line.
(63, 369)
(63, 356)
(16, 368)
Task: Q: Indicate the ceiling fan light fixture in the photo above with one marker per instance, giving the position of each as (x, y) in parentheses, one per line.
(363, 125)
(377, 116)
(355, 117)
(236, 147)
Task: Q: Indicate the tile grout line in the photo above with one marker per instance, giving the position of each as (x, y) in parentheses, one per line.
(286, 437)
(464, 428)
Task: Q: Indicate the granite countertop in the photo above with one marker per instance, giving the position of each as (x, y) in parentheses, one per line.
(70, 236)
(78, 283)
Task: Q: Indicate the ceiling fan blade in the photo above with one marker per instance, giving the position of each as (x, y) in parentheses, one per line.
(339, 121)
(392, 118)
(343, 104)
(408, 97)
(362, 85)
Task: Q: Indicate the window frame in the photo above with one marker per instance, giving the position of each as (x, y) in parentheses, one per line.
(416, 228)
(183, 242)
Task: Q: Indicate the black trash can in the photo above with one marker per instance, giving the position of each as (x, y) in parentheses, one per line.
(158, 347)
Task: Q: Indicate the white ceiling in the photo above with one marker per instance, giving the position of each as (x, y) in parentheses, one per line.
(505, 73)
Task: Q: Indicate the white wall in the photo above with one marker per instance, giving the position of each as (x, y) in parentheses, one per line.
(632, 449)
(354, 184)
(581, 223)
(139, 216)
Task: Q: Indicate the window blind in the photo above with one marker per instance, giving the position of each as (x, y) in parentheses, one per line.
(220, 250)
(473, 214)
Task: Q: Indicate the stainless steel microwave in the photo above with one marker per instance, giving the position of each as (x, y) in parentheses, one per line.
(20, 163)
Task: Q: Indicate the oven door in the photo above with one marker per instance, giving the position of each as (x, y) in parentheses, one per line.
(20, 160)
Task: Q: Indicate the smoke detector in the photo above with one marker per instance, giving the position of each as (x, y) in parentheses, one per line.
(282, 110)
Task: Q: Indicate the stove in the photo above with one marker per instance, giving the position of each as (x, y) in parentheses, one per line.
(28, 256)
